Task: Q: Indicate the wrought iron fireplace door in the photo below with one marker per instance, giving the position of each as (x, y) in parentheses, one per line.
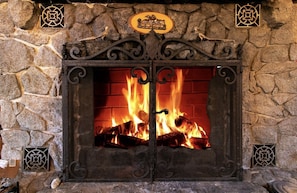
(151, 54)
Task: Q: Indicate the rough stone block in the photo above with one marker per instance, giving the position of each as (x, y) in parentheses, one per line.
(31, 121)
(275, 54)
(36, 82)
(14, 138)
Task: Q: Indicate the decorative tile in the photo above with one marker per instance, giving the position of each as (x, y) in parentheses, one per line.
(247, 15)
(36, 159)
(52, 16)
(263, 155)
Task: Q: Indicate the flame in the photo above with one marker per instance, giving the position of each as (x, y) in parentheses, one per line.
(113, 122)
(168, 121)
(115, 139)
(137, 97)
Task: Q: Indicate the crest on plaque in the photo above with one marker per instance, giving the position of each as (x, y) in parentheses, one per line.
(146, 21)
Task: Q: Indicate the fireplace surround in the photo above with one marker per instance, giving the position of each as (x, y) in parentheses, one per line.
(150, 161)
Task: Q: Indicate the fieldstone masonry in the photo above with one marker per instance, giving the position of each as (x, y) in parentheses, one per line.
(30, 93)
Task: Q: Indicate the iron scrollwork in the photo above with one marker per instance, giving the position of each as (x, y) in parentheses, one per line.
(139, 78)
(164, 79)
(135, 53)
(111, 51)
(77, 171)
(75, 52)
(172, 48)
(152, 47)
(228, 168)
(163, 170)
(75, 74)
(228, 73)
(142, 170)
(180, 49)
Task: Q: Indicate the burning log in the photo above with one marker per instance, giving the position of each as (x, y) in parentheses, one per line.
(143, 116)
(126, 128)
(123, 128)
(199, 143)
(174, 139)
(182, 121)
(105, 136)
(127, 135)
(142, 127)
(123, 141)
(103, 139)
(113, 145)
(98, 130)
(130, 141)
(189, 126)
(179, 121)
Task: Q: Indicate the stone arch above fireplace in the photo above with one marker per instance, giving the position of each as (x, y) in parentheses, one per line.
(151, 53)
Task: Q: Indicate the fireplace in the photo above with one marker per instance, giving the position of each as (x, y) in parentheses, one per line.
(151, 108)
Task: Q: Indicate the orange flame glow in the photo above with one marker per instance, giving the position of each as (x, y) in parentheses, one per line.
(137, 97)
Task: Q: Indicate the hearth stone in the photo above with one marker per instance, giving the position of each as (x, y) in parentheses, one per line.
(159, 187)
(255, 180)
(283, 186)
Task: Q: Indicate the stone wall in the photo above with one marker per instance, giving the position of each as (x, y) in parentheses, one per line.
(30, 66)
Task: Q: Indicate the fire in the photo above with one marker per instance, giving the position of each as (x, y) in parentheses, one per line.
(173, 123)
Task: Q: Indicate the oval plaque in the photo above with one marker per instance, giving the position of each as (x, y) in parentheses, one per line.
(146, 21)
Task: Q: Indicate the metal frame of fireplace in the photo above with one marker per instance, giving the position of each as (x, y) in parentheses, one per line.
(151, 53)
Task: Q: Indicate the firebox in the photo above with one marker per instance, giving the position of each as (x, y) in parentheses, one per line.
(150, 108)
(122, 111)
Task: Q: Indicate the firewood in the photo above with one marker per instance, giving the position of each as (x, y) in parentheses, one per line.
(113, 145)
(142, 127)
(123, 128)
(105, 130)
(173, 139)
(102, 139)
(130, 141)
(199, 143)
(188, 126)
(181, 121)
(126, 127)
(123, 140)
(143, 116)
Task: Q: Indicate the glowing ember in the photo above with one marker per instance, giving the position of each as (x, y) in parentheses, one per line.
(172, 128)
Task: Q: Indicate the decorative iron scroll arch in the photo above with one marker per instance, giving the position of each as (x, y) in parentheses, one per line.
(152, 47)
(140, 54)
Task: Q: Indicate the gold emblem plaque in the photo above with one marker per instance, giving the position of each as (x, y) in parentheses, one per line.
(146, 21)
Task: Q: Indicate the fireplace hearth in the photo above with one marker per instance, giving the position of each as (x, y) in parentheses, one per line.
(150, 108)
